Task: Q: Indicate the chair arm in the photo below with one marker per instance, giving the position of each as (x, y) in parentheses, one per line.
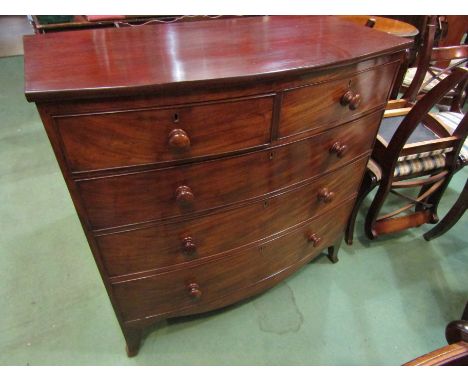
(456, 353)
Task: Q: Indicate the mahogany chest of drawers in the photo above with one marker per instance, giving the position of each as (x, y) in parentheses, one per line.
(207, 161)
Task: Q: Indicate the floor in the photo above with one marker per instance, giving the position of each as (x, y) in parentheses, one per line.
(12, 28)
(384, 303)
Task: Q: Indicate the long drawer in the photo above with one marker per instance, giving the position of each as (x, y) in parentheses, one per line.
(152, 195)
(315, 107)
(194, 286)
(137, 137)
(180, 242)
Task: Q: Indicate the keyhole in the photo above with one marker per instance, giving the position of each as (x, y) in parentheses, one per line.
(349, 84)
(271, 155)
(176, 117)
(265, 204)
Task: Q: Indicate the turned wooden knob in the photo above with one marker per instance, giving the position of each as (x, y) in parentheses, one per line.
(338, 149)
(184, 195)
(194, 291)
(178, 139)
(355, 102)
(346, 98)
(325, 195)
(314, 239)
(188, 245)
(351, 99)
(370, 22)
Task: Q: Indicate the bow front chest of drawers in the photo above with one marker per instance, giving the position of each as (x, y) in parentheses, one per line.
(207, 161)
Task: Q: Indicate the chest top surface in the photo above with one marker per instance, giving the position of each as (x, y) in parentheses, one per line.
(93, 63)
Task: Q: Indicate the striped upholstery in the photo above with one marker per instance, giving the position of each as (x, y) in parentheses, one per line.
(420, 162)
(411, 72)
(426, 154)
(408, 167)
(413, 166)
(409, 76)
(451, 120)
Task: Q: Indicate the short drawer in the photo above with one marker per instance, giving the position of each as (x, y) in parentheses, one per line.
(182, 190)
(138, 137)
(192, 287)
(315, 107)
(175, 243)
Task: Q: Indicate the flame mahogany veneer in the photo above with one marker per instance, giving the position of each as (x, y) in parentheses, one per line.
(208, 161)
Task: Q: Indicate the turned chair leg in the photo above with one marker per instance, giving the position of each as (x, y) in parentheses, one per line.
(374, 209)
(368, 184)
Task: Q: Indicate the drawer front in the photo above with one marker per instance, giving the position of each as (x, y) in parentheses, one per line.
(174, 243)
(313, 108)
(194, 286)
(138, 137)
(182, 190)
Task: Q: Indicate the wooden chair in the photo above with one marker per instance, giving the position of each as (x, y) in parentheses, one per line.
(433, 65)
(414, 148)
(410, 59)
(454, 354)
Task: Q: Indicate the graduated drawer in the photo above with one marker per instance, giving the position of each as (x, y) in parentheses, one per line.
(137, 137)
(315, 107)
(194, 286)
(175, 243)
(152, 195)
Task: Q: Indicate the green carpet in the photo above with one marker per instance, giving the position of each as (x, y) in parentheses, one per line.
(384, 303)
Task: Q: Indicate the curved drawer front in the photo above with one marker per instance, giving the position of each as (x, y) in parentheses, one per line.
(137, 137)
(174, 243)
(191, 287)
(153, 195)
(314, 107)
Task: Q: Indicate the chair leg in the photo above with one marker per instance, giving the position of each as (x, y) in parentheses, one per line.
(452, 217)
(368, 184)
(375, 208)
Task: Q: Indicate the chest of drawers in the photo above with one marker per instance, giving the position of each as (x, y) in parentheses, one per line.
(208, 161)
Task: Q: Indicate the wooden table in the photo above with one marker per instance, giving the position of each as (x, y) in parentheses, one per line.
(394, 27)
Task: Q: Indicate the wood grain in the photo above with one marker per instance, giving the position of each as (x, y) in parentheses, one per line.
(162, 246)
(167, 293)
(137, 137)
(313, 108)
(150, 195)
(198, 175)
(135, 61)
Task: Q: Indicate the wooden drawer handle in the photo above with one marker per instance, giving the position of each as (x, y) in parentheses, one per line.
(178, 139)
(194, 291)
(189, 246)
(314, 239)
(184, 195)
(351, 99)
(355, 102)
(339, 149)
(325, 195)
